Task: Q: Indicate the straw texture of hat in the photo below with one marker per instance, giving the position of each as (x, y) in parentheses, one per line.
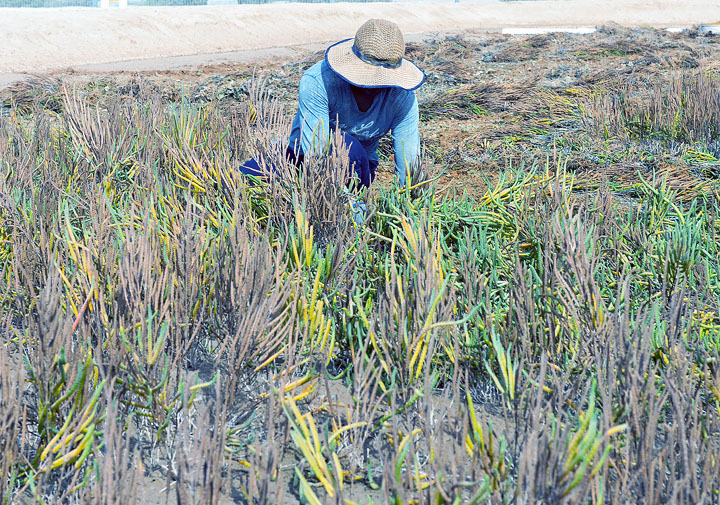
(374, 58)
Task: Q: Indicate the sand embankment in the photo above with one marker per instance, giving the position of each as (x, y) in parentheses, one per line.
(45, 40)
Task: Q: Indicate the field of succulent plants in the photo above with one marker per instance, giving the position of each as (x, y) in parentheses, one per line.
(535, 319)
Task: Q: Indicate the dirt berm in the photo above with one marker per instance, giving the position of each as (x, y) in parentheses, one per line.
(42, 40)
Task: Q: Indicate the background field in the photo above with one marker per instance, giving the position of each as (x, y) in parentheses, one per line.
(37, 41)
(537, 319)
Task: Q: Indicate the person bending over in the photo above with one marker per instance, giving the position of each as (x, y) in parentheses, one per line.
(364, 87)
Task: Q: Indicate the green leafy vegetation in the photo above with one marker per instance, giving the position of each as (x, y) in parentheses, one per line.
(544, 340)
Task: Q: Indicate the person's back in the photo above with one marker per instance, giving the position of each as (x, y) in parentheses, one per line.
(365, 88)
(326, 102)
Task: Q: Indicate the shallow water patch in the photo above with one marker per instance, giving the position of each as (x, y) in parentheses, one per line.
(539, 30)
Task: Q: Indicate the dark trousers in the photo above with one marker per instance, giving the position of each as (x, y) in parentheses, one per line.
(360, 166)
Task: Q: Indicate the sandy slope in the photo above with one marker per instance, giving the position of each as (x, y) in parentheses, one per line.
(41, 40)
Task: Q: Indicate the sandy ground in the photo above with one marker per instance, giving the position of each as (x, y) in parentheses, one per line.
(37, 41)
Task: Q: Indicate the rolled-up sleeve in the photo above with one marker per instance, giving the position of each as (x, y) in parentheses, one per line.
(406, 139)
(315, 115)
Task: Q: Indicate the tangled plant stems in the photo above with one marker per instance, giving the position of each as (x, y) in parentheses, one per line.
(251, 343)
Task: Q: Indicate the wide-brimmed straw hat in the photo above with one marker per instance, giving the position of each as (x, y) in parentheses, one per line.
(374, 58)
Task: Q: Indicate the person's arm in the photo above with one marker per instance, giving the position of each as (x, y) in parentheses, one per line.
(314, 114)
(406, 139)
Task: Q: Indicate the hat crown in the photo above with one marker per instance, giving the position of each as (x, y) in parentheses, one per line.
(380, 39)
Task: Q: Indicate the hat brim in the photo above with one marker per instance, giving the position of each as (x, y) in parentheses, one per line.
(347, 65)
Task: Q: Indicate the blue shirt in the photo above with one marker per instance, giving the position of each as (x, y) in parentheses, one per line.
(326, 102)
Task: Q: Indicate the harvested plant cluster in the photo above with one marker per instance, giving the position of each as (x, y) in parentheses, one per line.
(171, 333)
